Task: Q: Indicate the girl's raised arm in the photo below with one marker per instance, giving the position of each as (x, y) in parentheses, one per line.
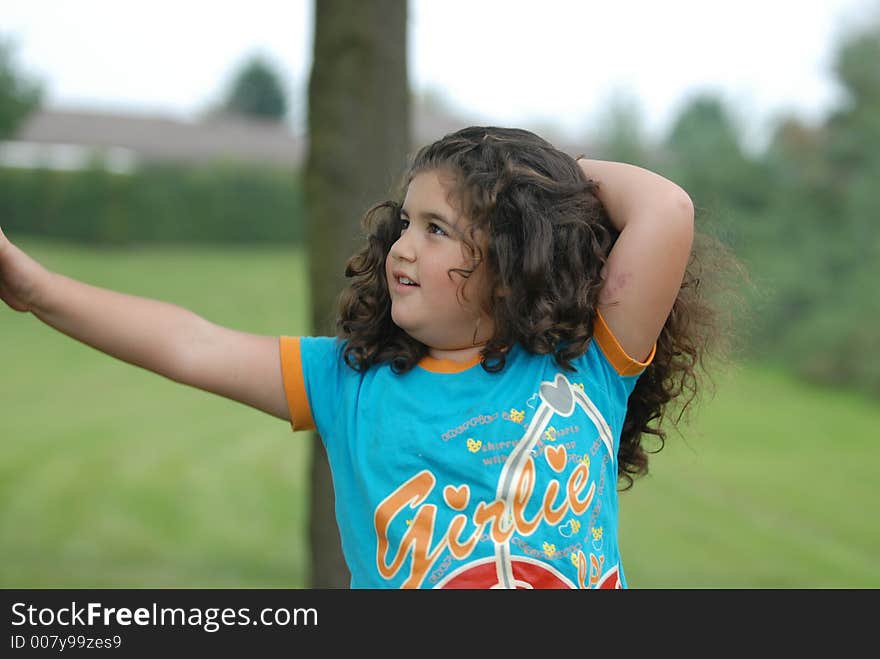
(646, 266)
(160, 337)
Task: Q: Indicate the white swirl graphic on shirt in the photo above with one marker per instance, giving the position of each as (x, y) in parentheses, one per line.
(558, 397)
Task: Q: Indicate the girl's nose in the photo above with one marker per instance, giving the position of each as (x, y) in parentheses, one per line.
(403, 249)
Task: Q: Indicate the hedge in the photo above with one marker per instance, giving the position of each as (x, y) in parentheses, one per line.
(157, 203)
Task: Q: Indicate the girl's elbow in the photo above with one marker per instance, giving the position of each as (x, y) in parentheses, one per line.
(682, 216)
(681, 221)
(683, 206)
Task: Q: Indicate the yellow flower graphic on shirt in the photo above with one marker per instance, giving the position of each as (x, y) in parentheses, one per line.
(517, 415)
(597, 533)
(574, 559)
(474, 445)
(550, 434)
(549, 549)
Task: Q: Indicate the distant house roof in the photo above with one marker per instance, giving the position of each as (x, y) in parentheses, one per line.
(162, 138)
(70, 138)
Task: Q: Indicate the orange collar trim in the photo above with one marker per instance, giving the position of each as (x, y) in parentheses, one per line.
(447, 365)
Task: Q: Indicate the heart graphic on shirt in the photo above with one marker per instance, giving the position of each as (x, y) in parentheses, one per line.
(558, 395)
(457, 497)
(555, 457)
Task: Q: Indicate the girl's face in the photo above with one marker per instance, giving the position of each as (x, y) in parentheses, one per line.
(424, 300)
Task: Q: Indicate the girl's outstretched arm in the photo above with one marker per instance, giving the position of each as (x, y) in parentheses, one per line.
(645, 268)
(158, 336)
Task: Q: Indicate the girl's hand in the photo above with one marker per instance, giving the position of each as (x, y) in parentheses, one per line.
(20, 276)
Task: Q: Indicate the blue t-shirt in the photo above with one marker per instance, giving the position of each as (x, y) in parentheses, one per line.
(451, 477)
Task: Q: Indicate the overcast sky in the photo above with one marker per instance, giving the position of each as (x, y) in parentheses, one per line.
(514, 62)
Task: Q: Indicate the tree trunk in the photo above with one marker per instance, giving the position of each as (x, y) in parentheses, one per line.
(358, 118)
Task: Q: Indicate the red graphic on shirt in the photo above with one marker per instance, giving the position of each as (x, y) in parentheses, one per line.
(529, 573)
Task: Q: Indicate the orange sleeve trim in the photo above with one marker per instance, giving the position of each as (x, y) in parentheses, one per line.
(294, 384)
(622, 362)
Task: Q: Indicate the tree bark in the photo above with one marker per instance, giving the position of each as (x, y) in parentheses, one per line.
(359, 137)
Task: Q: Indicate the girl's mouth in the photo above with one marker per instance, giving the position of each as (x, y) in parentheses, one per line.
(404, 285)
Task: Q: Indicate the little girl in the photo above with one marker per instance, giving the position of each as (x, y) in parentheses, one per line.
(512, 325)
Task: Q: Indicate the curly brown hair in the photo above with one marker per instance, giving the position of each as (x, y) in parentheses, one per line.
(548, 238)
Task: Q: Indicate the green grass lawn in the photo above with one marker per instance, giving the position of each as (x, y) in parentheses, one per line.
(112, 476)
(774, 485)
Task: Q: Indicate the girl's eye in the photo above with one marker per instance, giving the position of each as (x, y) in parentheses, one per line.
(433, 228)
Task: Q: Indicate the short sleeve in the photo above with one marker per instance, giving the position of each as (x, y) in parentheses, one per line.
(310, 369)
(615, 354)
(616, 372)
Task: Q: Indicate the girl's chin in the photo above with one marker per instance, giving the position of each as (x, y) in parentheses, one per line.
(404, 323)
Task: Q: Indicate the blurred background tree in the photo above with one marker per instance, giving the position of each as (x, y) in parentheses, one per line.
(19, 95)
(257, 91)
(359, 137)
(838, 337)
(619, 131)
(802, 216)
